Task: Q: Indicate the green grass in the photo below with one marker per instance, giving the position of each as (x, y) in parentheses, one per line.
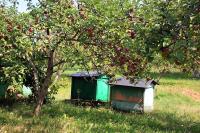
(174, 112)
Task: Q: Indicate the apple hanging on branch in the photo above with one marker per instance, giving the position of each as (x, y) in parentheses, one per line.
(90, 32)
(30, 30)
(132, 34)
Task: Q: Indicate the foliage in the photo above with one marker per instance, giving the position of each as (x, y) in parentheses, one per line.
(172, 29)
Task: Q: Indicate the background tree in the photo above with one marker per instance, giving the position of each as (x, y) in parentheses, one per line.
(172, 29)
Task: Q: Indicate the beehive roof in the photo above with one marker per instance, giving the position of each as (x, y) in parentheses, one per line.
(86, 74)
(139, 83)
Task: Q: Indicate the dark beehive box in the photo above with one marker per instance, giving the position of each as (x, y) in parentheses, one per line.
(90, 86)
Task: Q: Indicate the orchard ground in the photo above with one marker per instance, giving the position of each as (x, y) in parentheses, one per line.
(177, 109)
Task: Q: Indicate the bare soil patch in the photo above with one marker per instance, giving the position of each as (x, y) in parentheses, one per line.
(193, 94)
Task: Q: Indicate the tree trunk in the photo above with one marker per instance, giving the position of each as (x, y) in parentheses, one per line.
(43, 90)
(38, 106)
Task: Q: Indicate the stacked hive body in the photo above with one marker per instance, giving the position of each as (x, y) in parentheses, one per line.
(128, 96)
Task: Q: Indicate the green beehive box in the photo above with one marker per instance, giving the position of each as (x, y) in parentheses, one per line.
(26, 91)
(128, 96)
(3, 88)
(90, 86)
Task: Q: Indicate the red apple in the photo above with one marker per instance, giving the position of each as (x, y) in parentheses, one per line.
(126, 49)
(90, 32)
(30, 29)
(122, 60)
(132, 34)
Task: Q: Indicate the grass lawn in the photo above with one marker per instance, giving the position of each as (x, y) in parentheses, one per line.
(177, 109)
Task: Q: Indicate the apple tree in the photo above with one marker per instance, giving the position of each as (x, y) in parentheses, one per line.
(100, 35)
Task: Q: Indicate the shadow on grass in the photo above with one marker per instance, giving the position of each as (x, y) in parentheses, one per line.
(86, 119)
(107, 120)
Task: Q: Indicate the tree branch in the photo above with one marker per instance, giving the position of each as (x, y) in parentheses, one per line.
(35, 73)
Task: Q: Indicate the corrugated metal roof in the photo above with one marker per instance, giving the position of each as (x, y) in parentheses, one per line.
(137, 83)
(86, 74)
